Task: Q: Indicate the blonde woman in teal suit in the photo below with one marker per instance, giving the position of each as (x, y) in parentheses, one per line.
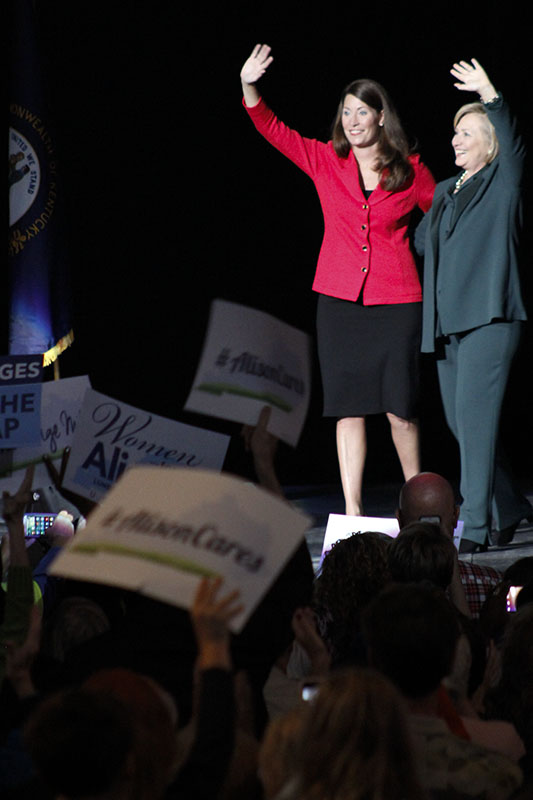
(473, 312)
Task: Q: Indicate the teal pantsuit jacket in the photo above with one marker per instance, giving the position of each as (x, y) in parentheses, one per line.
(473, 313)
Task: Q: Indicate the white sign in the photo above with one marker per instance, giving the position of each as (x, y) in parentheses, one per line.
(251, 359)
(20, 400)
(61, 403)
(341, 526)
(158, 531)
(112, 436)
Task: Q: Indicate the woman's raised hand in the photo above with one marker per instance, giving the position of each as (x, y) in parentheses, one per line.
(473, 78)
(256, 65)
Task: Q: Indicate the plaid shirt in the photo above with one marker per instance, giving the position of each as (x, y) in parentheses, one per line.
(477, 582)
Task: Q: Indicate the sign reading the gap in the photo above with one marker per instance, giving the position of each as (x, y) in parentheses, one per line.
(20, 400)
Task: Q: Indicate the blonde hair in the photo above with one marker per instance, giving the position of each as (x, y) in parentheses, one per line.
(487, 127)
(352, 742)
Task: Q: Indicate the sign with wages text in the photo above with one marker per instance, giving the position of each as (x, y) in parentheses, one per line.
(159, 531)
(20, 400)
(61, 403)
(112, 436)
(251, 359)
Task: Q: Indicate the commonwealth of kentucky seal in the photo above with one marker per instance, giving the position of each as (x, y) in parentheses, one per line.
(24, 175)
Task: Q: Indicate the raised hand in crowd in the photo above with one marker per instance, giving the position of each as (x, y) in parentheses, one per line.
(14, 507)
(308, 637)
(20, 657)
(263, 445)
(210, 615)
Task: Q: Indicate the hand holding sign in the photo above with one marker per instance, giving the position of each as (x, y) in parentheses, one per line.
(263, 446)
(210, 615)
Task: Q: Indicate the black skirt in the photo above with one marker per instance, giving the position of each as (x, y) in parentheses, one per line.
(369, 357)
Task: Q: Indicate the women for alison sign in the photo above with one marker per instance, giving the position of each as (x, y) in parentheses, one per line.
(159, 530)
(112, 436)
(251, 359)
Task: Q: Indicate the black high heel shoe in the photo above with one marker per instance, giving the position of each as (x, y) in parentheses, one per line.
(505, 536)
(467, 546)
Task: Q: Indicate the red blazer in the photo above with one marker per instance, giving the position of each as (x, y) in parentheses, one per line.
(365, 242)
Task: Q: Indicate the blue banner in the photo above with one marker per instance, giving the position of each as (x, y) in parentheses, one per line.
(40, 306)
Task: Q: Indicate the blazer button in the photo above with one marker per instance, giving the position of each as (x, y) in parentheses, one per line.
(365, 248)
(365, 206)
(364, 269)
(363, 227)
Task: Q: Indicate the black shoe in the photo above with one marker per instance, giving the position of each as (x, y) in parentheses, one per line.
(505, 536)
(469, 546)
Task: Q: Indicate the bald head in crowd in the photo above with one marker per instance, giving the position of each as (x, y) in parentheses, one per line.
(426, 497)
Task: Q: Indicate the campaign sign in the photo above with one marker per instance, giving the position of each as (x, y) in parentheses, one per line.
(20, 400)
(251, 359)
(341, 526)
(61, 403)
(158, 531)
(112, 436)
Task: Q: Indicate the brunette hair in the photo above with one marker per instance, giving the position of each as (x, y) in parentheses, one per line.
(353, 572)
(393, 158)
(421, 552)
(411, 623)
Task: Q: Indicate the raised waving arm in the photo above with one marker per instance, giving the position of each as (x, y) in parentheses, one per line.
(473, 78)
(253, 69)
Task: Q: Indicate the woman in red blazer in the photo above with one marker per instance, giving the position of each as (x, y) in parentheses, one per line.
(369, 307)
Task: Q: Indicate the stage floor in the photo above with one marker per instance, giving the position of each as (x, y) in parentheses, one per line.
(381, 501)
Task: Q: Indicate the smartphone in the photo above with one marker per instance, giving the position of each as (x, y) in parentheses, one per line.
(309, 691)
(512, 594)
(37, 524)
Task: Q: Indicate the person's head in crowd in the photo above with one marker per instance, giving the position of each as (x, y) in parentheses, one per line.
(411, 633)
(519, 572)
(112, 737)
(512, 698)
(153, 718)
(76, 620)
(351, 742)
(420, 552)
(353, 571)
(278, 751)
(428, 497)
(81, 743)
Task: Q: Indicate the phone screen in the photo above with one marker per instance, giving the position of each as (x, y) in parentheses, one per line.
(37, 524)
(309, 691)
(512, 594)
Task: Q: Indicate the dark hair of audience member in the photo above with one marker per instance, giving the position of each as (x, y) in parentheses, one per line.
(411, 633)
(422, 552)
(519, 572)
(512, 698)
(80, 742)
(352, 573)
(76, 620)
(153, 720)
(353, 742)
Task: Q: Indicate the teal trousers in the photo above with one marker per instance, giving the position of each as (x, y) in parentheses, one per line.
(473, 375)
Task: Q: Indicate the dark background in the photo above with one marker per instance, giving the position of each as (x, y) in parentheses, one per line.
(174, 200)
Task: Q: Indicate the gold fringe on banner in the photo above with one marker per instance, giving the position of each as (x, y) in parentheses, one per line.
(50, 356)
